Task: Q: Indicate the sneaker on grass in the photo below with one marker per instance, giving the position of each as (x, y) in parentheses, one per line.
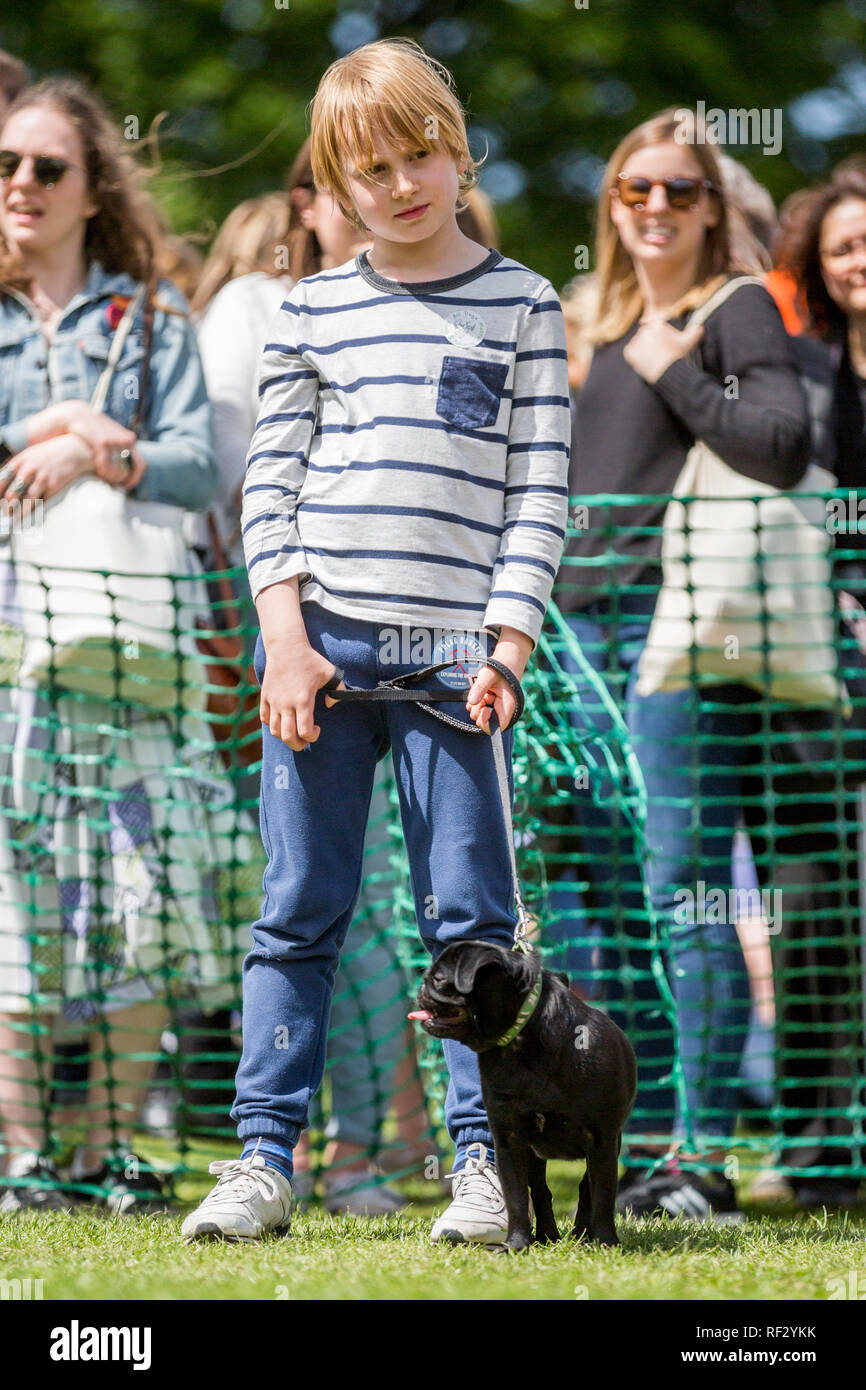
(33, 1184)
(477, 1212)
(249, 1200)
(695, 1196)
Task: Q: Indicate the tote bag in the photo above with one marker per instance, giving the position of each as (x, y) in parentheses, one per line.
(108, 592)
(746, 590)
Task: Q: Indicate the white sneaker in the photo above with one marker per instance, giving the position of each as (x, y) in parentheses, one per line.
(360, 1194)
(477, 1211)
(249, 1199)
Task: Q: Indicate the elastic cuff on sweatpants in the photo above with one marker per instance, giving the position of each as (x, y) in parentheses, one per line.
(284, 1134)
(474, 1137)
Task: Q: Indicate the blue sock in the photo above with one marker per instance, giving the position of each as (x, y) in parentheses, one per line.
(460, 1157)
(275, 1154)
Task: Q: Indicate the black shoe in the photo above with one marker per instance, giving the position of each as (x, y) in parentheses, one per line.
(695, 1196)
(35, 1186)
(143, 1193)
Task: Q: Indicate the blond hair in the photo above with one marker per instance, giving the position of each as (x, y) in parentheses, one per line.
(390, 88)
(620, 300)
(477, 220)
(246, 241)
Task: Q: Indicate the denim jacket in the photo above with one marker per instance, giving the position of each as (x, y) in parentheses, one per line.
(175, 431)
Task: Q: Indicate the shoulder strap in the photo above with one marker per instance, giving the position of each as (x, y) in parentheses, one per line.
(144, 380)
(703, 311)
(100, 393)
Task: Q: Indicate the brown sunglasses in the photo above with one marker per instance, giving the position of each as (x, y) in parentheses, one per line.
(681, 193)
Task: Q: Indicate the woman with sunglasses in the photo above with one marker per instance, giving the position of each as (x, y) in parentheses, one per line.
(92, 917)
(662, 249)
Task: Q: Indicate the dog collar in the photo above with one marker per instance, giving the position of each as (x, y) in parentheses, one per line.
(527, 1009)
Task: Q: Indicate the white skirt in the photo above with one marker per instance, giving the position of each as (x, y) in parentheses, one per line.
(115, 826)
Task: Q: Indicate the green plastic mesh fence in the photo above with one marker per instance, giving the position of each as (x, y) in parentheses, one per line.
(688, 823)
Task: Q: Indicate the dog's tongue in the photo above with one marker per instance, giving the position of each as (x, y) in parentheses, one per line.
(422, 1015)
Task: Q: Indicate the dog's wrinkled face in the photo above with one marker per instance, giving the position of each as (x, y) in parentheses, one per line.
(473, 993)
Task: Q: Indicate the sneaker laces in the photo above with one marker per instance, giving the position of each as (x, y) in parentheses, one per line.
(477, 1182)
(238, 1173)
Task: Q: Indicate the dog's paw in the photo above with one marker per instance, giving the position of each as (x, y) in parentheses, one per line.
(517, 1242)
(546, 1237)
(609, 1238)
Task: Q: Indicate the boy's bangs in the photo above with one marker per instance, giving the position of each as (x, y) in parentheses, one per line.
(402, 129)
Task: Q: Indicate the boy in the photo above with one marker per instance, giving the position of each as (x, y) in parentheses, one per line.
(407, 480)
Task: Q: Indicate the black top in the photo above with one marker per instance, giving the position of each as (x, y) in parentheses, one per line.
(850, 424)
(628, 436)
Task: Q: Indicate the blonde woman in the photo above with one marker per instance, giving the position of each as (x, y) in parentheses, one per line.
(663, 248)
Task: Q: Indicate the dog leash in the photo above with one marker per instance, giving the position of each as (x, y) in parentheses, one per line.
(403, 688)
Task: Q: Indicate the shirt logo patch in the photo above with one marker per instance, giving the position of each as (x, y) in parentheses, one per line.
(465, 328)
(468, 652)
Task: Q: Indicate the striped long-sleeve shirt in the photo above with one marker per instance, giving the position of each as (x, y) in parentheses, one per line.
(410, 458)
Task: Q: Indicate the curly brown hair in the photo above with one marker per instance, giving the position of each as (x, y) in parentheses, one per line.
(124, 233)
(800, 249)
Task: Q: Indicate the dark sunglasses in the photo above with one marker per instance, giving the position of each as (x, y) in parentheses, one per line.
(47, 168)
(681, 193)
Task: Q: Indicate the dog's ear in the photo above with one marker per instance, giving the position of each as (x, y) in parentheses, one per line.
(471, 961)
(562, 977)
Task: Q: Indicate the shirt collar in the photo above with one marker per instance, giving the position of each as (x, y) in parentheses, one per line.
(101, 282)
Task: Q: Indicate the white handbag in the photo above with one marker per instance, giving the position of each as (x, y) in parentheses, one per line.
(746, 592)
(108, 591)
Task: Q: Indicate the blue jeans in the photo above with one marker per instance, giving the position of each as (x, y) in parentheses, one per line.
(366, 1037)
(367, 1031)
(694, 747)
(314, 808)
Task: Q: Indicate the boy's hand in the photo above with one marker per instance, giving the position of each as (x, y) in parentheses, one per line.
(490, 690)
(294, 672)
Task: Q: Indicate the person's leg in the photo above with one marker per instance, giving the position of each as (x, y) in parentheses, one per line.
(460, 867)
(813, 880)
(314, 807)
(462, 885)
(368, 1013)
(610, 858)
(31, 1178)
(124, 1052)
(692, 747)
(25, 1083)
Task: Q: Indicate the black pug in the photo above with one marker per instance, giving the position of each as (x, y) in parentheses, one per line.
(560, 1087)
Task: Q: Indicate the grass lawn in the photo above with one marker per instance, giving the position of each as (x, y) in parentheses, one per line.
(783, 1255)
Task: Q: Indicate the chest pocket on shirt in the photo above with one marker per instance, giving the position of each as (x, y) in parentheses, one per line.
(470, 391)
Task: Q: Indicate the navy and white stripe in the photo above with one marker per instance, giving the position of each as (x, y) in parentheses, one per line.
(397, 494)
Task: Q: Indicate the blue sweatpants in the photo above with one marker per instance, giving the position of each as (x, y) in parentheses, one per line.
(314, 808)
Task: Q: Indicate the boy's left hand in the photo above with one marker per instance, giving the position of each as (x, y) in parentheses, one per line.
(490, 690)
